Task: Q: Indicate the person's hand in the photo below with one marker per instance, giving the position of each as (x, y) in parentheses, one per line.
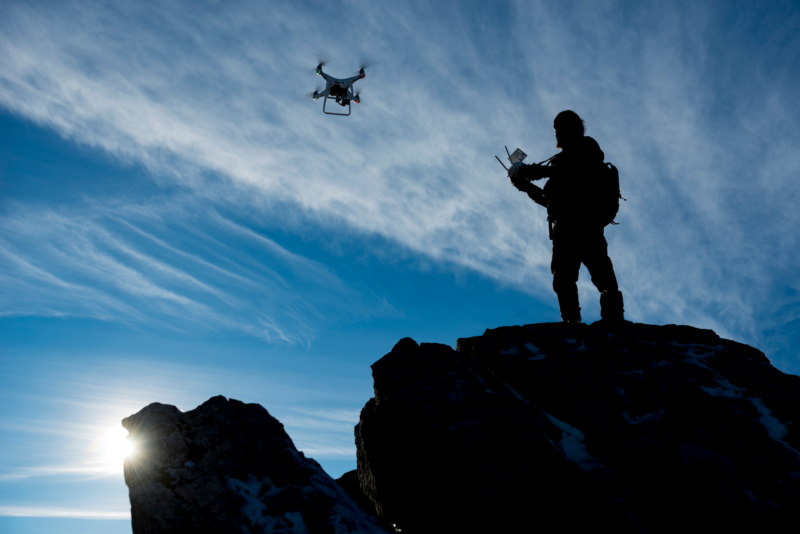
(517, 170)
(520, 183)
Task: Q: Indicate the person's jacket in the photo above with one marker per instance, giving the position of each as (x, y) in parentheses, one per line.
(567, 191)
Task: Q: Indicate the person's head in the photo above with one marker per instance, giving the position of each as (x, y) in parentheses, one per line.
(568, 127)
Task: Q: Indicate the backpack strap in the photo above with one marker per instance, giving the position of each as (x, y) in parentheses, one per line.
(548, 161)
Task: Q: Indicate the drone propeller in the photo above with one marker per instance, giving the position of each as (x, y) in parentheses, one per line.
(316, 94)
(322, 60)
(357, 98)
(364, 64)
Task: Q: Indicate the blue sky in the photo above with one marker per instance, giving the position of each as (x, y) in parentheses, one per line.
(177, 221)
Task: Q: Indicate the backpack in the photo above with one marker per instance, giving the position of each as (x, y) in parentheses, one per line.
(606, 195)
(600, 196)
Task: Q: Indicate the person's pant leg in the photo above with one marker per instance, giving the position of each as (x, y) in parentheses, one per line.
(565, 267)
(595, 257)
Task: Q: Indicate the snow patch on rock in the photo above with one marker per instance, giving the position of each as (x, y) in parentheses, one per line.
(775, 429)
(572, 444)
(646, 418)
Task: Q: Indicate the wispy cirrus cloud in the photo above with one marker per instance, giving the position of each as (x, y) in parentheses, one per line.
(323, 433)
(126, 265)
(53, 511)
(79, 471)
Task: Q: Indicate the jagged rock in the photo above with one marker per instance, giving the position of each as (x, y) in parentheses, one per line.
(349, 481)
(228, 467)
(553, 427)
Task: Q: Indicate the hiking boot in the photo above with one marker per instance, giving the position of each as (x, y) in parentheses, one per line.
(571, 315)
(568, 304)
(611, 307)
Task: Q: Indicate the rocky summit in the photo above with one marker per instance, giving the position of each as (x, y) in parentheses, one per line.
(578, 428)
(229, 467)
(538, 428)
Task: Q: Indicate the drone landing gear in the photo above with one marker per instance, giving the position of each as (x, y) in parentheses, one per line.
(324, 102)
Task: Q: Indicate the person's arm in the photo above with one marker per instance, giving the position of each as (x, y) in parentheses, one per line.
(537, 195)
(534, 193)
(529, 173)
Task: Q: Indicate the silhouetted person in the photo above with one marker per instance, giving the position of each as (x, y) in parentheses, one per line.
(577, 236)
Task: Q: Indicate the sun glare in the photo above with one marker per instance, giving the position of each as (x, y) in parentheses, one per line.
(116, 447)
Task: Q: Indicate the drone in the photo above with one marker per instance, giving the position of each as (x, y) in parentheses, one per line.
(339, 90)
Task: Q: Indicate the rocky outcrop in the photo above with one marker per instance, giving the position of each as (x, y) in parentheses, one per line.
(564, 428)
(228, 467)
(537, 428)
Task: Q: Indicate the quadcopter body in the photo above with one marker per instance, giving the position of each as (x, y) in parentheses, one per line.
(341, 91)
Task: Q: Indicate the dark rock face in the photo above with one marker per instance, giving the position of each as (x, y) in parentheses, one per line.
(228, 467)
(551, 427)
(349, 481)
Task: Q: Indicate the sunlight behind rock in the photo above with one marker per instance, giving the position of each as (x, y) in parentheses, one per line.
(116, 448)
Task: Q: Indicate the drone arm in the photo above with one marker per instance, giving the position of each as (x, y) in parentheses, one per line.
(351, 80)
